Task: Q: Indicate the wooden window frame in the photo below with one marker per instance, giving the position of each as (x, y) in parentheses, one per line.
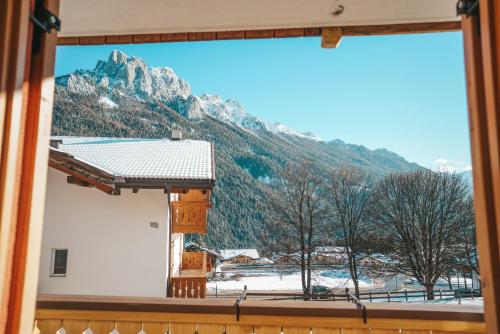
(27, 91)
(26, 103)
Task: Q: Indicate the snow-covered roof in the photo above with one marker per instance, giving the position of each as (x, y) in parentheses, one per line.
(161, 159)
(194, 245)
(228, 254)
(266, 260)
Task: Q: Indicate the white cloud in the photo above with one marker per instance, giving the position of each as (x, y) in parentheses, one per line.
(451, 166)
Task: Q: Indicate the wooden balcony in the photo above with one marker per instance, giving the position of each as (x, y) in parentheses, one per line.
(191, 281)
(195, 260)
(101, 315)
(190, 212)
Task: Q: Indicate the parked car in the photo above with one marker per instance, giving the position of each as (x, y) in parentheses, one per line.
(467, 292)
(321, 292)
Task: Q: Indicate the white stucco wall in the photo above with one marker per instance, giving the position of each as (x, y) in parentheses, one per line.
(177, 246)
(112, 249)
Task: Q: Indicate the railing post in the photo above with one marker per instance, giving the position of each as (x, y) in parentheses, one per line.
(370, 296)
(406, 294)
(238, 301)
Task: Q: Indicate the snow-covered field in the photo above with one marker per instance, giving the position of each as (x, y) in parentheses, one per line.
(288, 282)
(464, 301)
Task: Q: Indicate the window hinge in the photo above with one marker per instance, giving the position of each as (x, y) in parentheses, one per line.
(468, 7)
(45, 19)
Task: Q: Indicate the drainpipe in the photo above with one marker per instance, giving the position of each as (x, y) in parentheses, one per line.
(169, 245)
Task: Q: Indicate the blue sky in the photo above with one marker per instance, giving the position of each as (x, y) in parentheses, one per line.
(404, 92)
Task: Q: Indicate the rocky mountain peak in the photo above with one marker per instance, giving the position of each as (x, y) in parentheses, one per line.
(127, 75)
(130, 76)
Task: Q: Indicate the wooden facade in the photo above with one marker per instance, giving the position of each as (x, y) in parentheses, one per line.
(190, 212)
(195, 260)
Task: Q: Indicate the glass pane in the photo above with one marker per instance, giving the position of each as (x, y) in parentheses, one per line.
(60, 261)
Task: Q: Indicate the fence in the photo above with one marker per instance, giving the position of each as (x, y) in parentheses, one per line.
(388, 296)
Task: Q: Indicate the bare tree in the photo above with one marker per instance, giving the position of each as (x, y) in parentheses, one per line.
(350, 191)
(299, 207)
(468, 240)
(422, 212)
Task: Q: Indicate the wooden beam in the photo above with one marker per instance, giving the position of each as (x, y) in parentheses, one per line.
(330, 37)
(147, 38)
(290, 32)
(175, 37)
(73, 180)
(223, 35)
(103, 187)
(385, 29)
(401, 28)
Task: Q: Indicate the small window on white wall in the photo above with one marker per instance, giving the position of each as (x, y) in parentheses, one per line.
(59, 262)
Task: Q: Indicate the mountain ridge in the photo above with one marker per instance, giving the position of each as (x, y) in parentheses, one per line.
(131, 76)
(122, 97)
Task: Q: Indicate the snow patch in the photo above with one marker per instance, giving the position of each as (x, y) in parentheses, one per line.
(107, 102)
(278, 128)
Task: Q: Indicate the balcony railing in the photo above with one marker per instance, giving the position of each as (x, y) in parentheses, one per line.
(190, 213)
(191, 281)
(195, 260)
(85, 314)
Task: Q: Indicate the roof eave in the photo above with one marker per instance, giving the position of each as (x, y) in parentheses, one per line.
(166, 183)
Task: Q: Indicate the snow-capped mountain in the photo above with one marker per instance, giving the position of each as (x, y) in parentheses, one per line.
(127, 75)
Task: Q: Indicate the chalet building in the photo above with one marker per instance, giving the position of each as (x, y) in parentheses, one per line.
(240, 256)
(213, 257)
(116, 213)
(330, 255)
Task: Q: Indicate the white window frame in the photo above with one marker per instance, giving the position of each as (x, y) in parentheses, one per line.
(53, 260)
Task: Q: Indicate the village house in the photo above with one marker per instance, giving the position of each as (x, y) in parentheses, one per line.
(330, 255)
(213, 257)
(240, 256)
(116, 213)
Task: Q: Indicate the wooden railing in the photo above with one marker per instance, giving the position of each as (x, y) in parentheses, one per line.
(189, 217)
(84, 314)
(188, 287)
(195, 260)
(191, 281)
